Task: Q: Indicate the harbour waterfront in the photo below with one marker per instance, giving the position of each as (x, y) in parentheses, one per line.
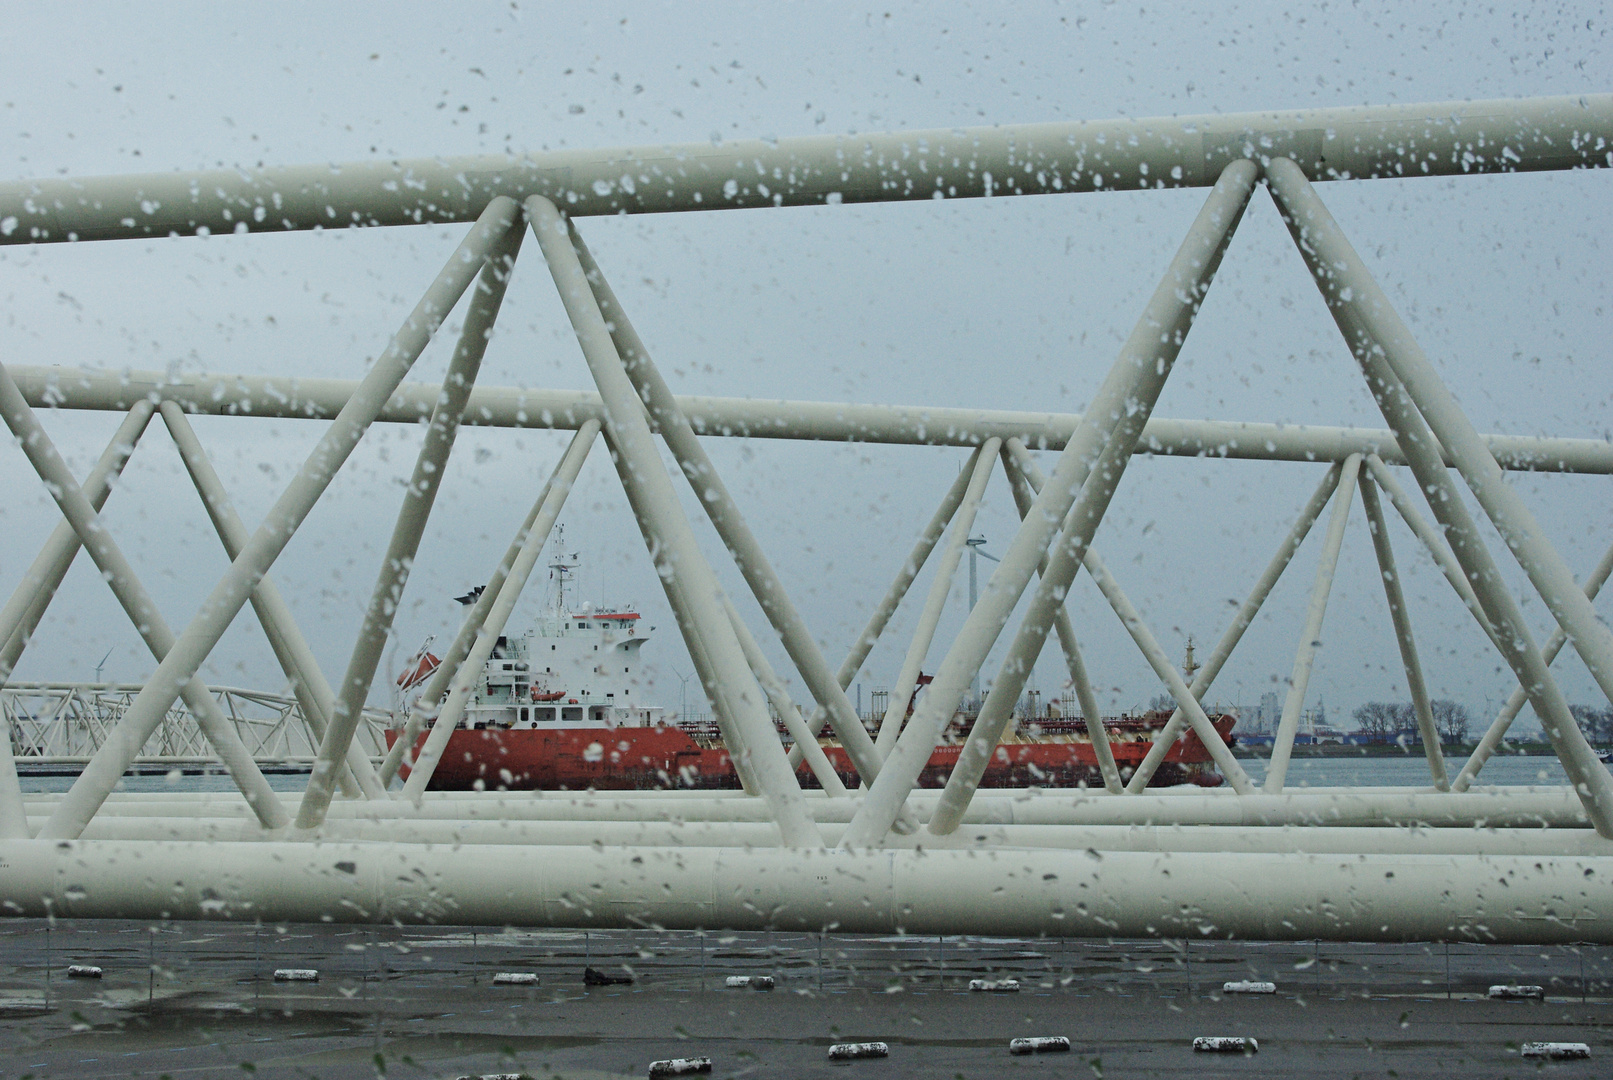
(201, 999)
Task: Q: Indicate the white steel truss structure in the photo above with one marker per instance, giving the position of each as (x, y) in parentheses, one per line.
(1453, 861)
(64, 724)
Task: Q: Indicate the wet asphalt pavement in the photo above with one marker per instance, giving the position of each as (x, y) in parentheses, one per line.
(199, 999)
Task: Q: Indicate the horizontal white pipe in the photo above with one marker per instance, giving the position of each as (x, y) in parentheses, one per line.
(829, 421)
(1495, 807)
(656, 834)
(1434, 139)
(1019, 893)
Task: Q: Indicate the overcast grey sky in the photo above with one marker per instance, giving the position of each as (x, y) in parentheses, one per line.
(1007, 303)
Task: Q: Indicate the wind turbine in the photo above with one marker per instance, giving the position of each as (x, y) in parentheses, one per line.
(975, 544)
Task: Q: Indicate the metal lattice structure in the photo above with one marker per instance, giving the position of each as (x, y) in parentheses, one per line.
(66, 724)
(1453, 861)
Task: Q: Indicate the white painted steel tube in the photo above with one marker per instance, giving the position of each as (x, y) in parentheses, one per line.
(826, 421)
(1401, 618)
(233, 590)
(469, 673)
(1016, 893)
(1433, 541)
(418, 499)
(286, 641)
(44, 576)
(1494, 807)
(774, 688)
(426, 705)
(1115, 417)
(981, 464)
(1240, 622)
(1167, 673)
(1498, 729)
(1507, 511)
(1026, 480)
(122, 744)
(34, 592)
(726, 518)
(1310, 638)
(677, 555)
(1349, 289)
(1433, 139)
(922, 547)
(639, 835)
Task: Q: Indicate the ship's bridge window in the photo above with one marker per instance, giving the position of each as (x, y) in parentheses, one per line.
(543, 715)
(570, 713)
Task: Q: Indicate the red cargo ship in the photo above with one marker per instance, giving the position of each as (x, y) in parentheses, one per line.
(556, 710)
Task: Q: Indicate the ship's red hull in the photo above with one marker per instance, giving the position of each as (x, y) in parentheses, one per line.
(576, 759)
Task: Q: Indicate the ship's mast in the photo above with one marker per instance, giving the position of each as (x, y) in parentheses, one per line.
(561, 570)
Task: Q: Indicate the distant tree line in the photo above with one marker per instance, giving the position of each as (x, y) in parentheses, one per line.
(1596, 723)
(1384, 720)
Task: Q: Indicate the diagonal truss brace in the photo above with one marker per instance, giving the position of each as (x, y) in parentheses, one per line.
(981, 463)
(1114, 418)
(690, 583)
(1385, 349)
(126, 739)
(290, 648)
(233, 590)
(418, 500)
(726, 518)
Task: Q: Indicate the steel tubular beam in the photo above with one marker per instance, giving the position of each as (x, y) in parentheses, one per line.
(1434, 139)
(1349, 290)
(1551, 807)
(1072, 547)
(1018, 893)
(1310, 639)
(726, 518)
(290, 648)
(418, 499)
(827, 421)
(677, 556)
(774, 688)
(425, 706)
(1114, 418)
(469, 671)
(1434, 542)
(1401, 617)
(1498, 729)
(1167, 673)
(1505, 508)
(638, 837)
(33, 594)
(1026, 481)
(922, 547)
(123, 743)
(1240, 622)
(233, 590)
(981, 464)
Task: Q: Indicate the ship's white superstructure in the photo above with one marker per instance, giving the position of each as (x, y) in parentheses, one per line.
(577, 667)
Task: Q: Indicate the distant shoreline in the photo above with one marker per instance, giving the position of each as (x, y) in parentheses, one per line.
(1393, 750)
